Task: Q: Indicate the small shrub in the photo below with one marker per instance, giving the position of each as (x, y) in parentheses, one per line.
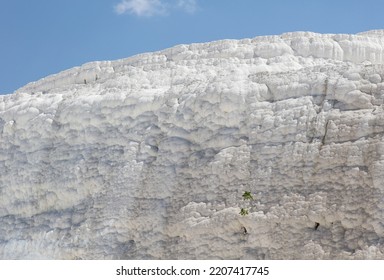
(243, 212)
(247, 195)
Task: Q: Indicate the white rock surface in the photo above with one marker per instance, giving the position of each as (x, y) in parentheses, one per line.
(148, 157)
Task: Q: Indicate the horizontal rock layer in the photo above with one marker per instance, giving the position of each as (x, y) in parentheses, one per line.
(148, 157)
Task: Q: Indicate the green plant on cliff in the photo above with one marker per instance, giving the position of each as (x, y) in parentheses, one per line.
(243, 212)
(246, 196)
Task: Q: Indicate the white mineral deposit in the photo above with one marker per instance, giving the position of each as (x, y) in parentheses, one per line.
(149, 157)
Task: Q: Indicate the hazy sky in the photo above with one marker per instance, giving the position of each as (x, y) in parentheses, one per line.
(43, 37)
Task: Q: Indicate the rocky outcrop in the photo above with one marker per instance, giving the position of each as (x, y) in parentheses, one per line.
(148, 157)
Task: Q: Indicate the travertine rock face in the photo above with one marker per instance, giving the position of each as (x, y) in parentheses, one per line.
(148, 157)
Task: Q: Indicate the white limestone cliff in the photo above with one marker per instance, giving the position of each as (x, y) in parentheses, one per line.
(148, 157)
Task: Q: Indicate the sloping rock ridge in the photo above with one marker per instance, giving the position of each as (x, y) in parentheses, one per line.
(148, 157)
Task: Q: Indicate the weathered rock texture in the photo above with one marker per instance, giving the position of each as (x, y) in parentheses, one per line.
(148, 157)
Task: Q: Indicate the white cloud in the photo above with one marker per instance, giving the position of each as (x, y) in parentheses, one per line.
(148, 8)
(141, 7)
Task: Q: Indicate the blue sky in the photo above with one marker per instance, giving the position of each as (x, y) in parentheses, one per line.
(43, 37)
